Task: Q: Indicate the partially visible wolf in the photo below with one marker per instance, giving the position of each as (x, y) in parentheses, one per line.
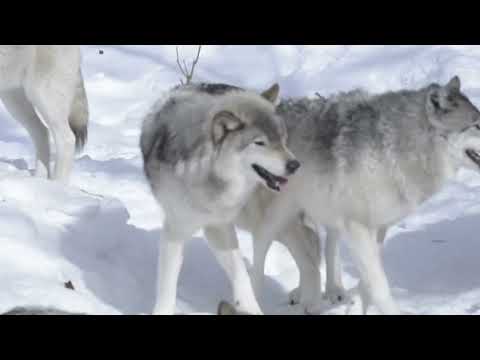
(205, 150)
(299, 235)
(38, 310)
(368, 162)
(47, 79)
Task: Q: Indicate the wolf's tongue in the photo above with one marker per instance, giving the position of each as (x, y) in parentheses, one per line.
(281, 180)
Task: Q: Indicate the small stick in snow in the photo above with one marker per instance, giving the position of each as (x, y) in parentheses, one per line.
(188, 74)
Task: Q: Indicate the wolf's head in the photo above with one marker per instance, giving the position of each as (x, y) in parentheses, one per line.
(246, 130)
(458, 120)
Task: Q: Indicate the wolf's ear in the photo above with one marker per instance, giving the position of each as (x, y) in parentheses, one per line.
(223, 123)
(438, 110)
(224, 308)
(272, 93)
(454, 84)
(435, 100)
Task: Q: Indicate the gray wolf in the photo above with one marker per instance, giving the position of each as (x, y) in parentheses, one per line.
(206, 148)
(369, 161)
(46, 79)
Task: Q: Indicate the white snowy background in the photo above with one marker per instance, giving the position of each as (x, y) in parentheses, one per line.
(102, 231)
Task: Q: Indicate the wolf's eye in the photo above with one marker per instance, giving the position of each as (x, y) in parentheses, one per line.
(260, 143)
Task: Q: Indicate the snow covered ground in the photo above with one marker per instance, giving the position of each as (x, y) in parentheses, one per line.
(102, 231)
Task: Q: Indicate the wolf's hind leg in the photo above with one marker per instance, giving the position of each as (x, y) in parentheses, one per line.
(260, 251)
(334, 289)
(22, 110)
(363, 244)
(54, 107)
(304, 246)
(280, 212)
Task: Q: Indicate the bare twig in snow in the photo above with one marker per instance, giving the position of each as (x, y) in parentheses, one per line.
(187, 73)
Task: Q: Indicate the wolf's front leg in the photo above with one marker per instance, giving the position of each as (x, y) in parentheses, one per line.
(224, 243)
(169, 264)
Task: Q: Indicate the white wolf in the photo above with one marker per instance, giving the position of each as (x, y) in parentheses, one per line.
(205, 151)
(369, 161)
(47, 79)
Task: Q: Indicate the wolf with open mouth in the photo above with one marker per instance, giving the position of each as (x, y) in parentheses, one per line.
(206, 148)
(373, 159)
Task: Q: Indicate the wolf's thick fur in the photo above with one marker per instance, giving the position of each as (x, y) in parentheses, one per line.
(368, 162)
(46, 79)
(205, 149)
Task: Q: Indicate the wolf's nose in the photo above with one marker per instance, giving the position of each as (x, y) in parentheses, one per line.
(292, 166)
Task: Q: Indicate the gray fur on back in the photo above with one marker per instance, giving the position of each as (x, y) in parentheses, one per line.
(348, 124)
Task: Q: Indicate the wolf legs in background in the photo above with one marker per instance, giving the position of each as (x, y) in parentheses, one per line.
(334, 290)
(54, 108)
(365, 246)
(305, 247)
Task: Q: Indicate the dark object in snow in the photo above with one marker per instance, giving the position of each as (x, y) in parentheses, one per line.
(37, 310)
(225, 308)
(100, 52)
(69, 285)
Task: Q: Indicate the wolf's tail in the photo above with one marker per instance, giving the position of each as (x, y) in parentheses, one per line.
(79, 114)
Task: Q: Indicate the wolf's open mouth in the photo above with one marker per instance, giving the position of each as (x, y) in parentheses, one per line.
(474, 156)
(273, 181)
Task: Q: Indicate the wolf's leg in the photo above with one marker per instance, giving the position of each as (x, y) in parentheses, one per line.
(54, 107)
(22, 110)
(334, 290)
(363, 245)
(260, 251)
(168, 268)
(304, 245)
(381, 234)
(280, 212)
(224, 243)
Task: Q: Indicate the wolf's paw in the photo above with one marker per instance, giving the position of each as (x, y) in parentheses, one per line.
(337, 295)
(318, 307)
(246, 308)
(294, 296)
